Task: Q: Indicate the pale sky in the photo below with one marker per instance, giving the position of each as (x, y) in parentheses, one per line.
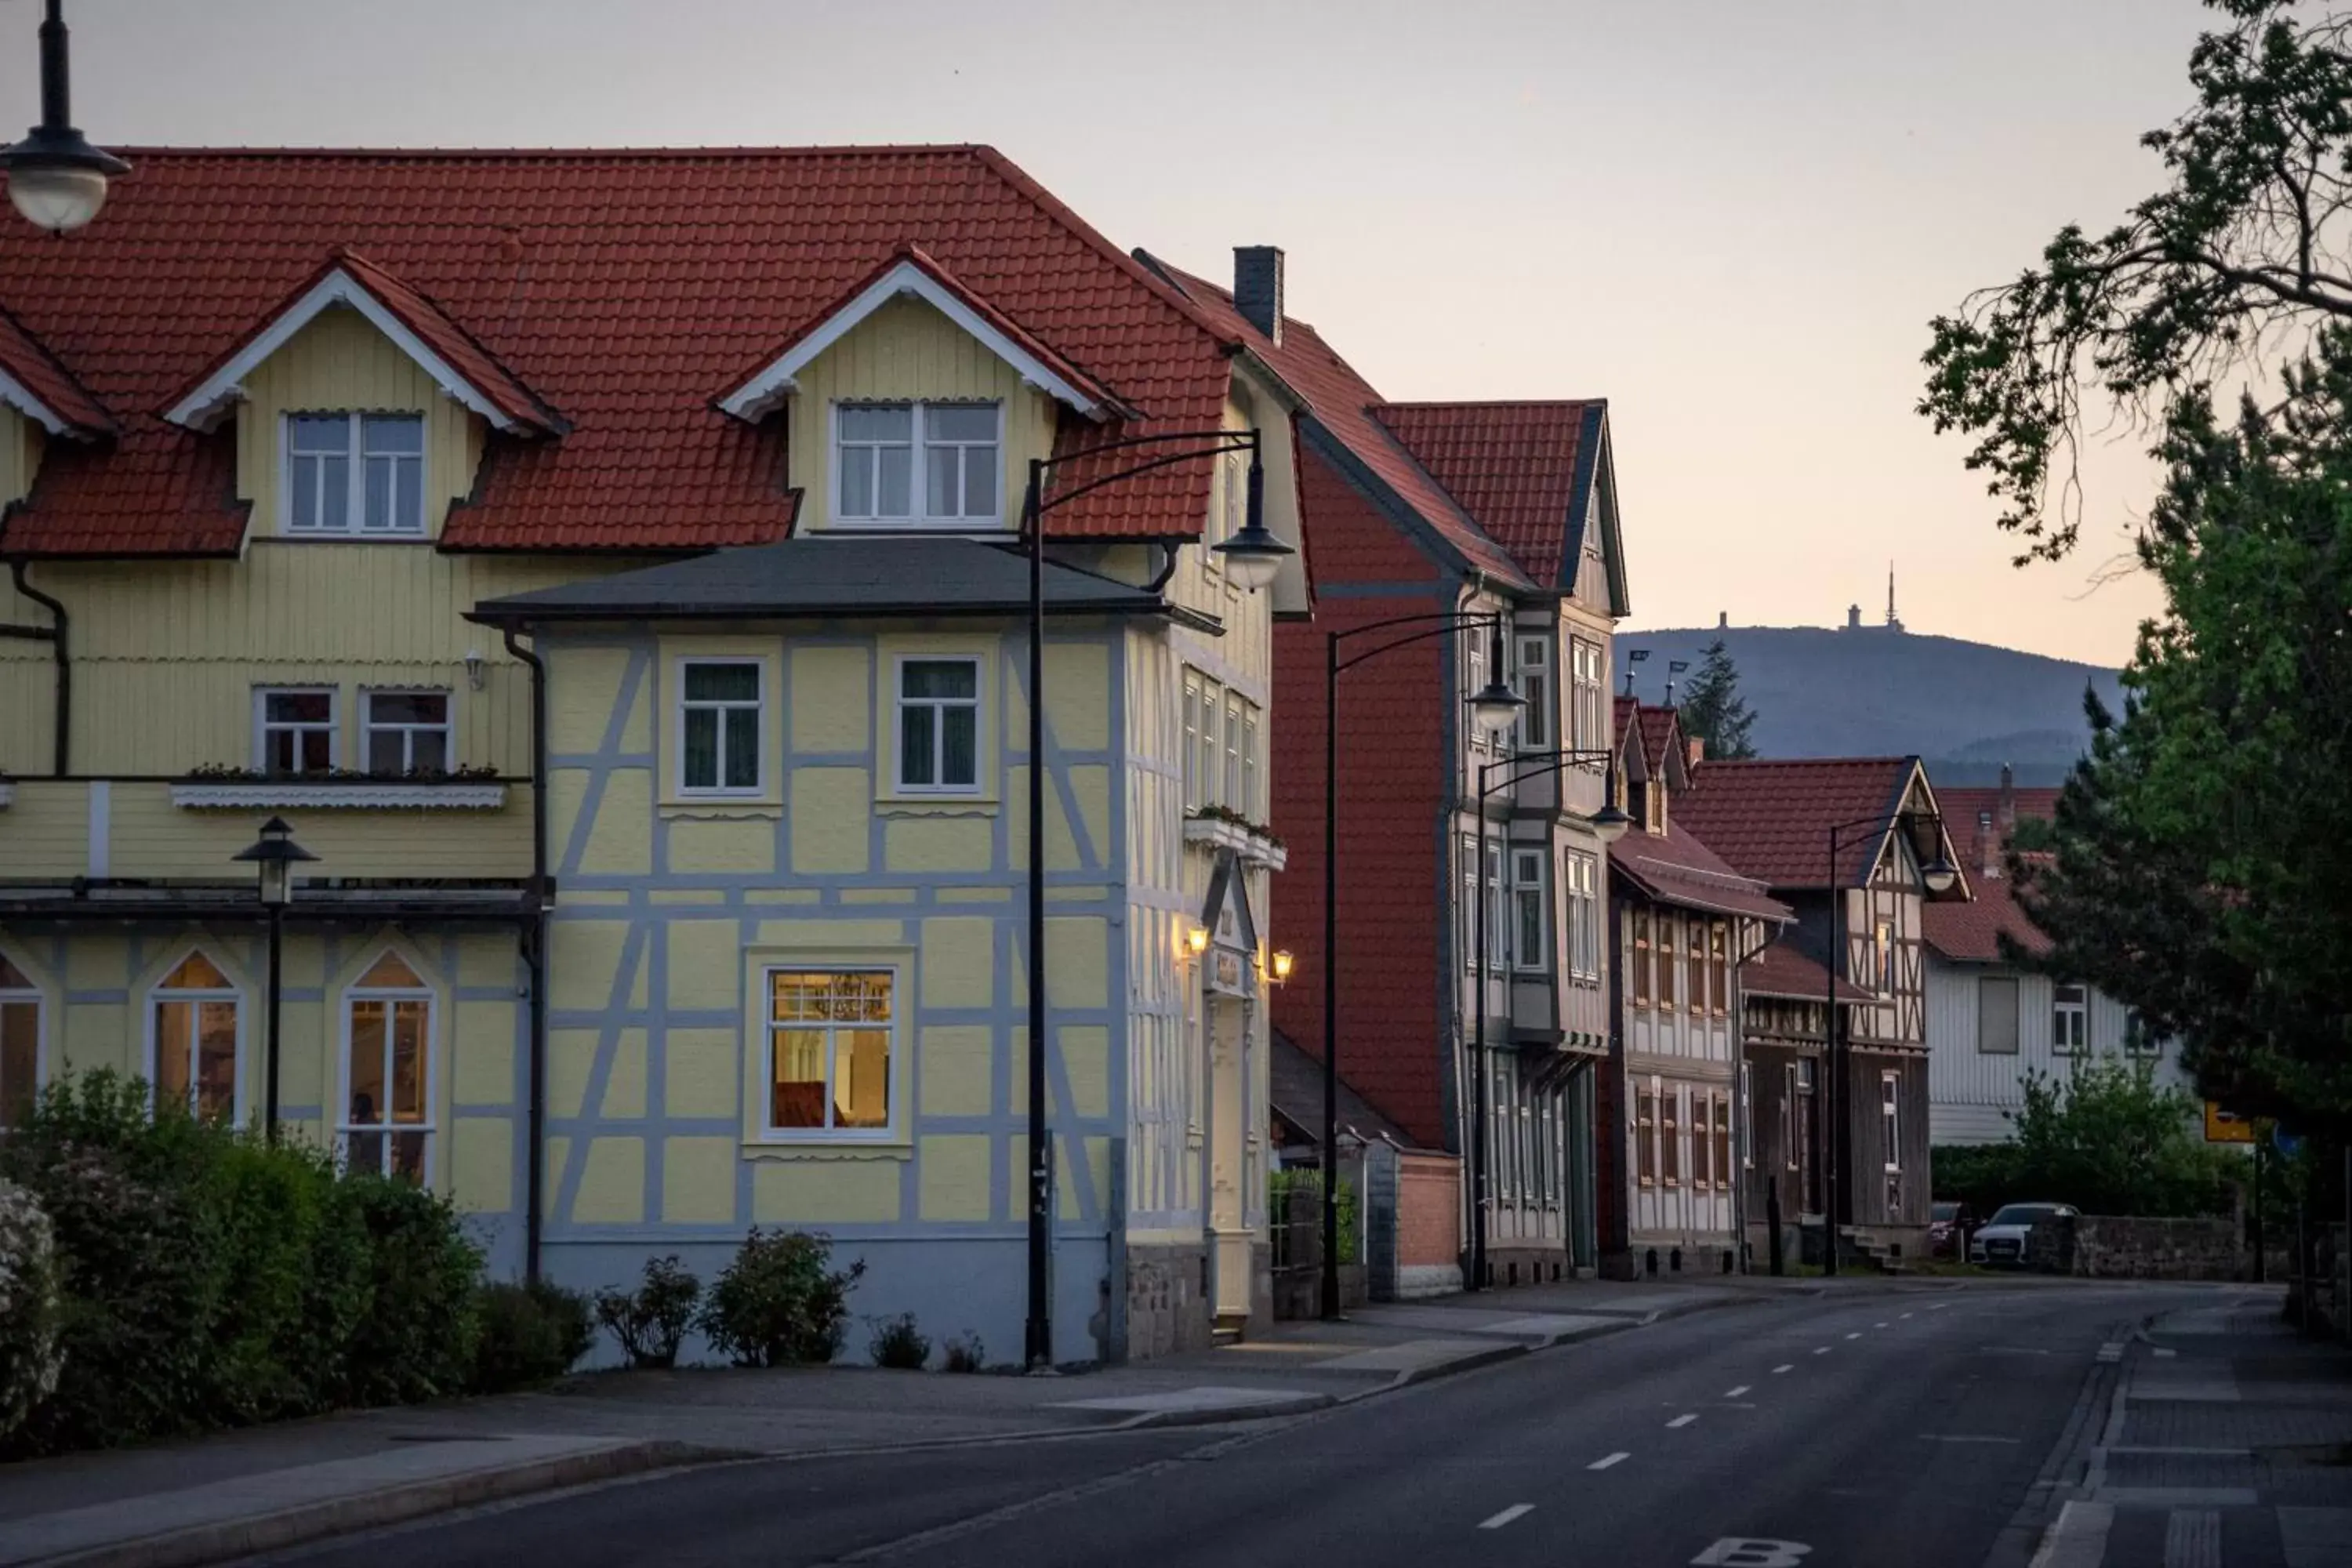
(1733, 218)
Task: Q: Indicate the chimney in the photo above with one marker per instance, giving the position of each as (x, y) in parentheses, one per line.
(1257, 287)
(1987, 847)
(1697, 749)
(2008, 801)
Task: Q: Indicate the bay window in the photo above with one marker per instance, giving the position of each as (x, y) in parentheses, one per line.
(1530, 931)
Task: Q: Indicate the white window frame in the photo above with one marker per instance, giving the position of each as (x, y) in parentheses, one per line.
(688, 788)
(900, 702)
(2077, 1008)
(447, 729)
(391, 995)
(1585, 659)
(1252, 802)
(1529, 890)
(159, 994)
(1475, 665)
(1499, 912)
(1235, 797)
(1531, 678)
(355, 460)
(1469, 900)
(263, 727)
(890, 1132)
(29, 996)
(1190, 741)
(1890, 1116)
(919, 481)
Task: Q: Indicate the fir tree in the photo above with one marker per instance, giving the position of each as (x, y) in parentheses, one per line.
(1712, 708)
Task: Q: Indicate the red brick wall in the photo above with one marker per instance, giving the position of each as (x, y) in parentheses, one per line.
(1429, 1211)
(1392, 770)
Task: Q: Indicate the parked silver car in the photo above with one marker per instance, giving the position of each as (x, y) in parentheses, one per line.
(2001, 1240)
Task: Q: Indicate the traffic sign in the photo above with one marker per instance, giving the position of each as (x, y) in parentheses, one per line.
(2226, 1127)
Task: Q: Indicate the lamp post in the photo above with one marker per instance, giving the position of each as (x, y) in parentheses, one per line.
(1938, 874)
(57, 179)
(1609, 824)
(274, 855)
(1252, 556)
(1493, 709)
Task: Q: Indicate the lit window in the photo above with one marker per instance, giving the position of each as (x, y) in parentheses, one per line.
(720, 720)
(938, 725)
(388, 1034)
(2070, 1023)
(829, 1048)
(295, 732)
(20, 1043)
(407, 731)
(195, 1028)
(1531, 933)
(876, 466)
(356, 473)
(1890, 1118)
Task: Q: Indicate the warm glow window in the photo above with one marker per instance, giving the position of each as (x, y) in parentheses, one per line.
(831, 1036)
(194, 1031)
(387, 1125)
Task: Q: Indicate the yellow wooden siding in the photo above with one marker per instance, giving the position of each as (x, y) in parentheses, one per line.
(46, 834)
(20, 456)
(166, 653)
(903, 352)
(341, 363)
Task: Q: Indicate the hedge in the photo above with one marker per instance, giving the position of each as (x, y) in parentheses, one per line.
(207, 1278)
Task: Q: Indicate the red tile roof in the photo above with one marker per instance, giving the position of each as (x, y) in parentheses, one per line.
(1343, 403)
(1514, 468)
(1781, 971)
(1675, 867)
(1970, 933)
(627, 289)
(25, 361)
(1962, 806)
(1772, 820)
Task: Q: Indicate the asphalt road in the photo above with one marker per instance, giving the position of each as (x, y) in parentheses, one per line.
(1892, 1428)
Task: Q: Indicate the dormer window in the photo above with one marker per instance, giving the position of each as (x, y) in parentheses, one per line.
(355, 474)
(881, 448)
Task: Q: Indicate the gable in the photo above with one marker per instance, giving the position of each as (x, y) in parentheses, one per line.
(1596, 542)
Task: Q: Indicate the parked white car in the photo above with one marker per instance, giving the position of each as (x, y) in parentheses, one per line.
(2001, 1240)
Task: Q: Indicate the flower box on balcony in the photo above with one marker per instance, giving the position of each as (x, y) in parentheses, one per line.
(1222, 829)
(232, 790)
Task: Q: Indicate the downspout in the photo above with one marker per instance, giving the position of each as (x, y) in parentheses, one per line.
(55, 636)
(535, 938)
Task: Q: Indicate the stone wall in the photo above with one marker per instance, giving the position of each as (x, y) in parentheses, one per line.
(2107, 1246)
(1168, 1308)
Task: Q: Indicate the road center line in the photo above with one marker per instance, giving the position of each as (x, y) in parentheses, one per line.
(1784, 1366)
(1963, 1438)
(1820, 1350)
(1878, 1325)
(1738, 1392)
(1906, 1314)
(1604, 1464)
(1682, 1420)
(1855, 1335)
(1508, 1515)
(1938, 1306)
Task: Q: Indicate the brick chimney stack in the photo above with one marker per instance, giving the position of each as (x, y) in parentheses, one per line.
(2008, 801)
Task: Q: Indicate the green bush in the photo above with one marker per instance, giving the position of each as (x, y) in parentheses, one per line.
(416, 1340)
(899, 1345)
(1308, 1179)
(964, 1353)
(2102, 1136)
(652, 1321)
(209, 1278)
(528, 1334)
(29, 1306)
(778, 1303)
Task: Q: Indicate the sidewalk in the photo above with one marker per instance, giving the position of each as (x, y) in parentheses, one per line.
(2228, 1438)
(237, 1492)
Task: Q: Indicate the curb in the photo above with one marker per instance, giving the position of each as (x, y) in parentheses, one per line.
(230, 1539)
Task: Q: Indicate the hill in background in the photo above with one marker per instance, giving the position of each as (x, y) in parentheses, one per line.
(1872, 690)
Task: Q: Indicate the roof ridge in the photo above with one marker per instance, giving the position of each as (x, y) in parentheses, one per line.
(1577, 403)
(1053, 206)
(825, 150)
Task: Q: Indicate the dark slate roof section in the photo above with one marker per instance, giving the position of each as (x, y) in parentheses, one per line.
(817, 574)
(1295, 1086)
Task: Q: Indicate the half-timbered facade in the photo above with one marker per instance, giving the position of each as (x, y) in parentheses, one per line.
(1682, 921)
(1862, 919)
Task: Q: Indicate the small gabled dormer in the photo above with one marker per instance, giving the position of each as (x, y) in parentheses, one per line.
(40, 402)
(912, 403)
(362, 409)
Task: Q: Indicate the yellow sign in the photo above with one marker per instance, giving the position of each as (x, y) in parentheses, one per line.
(2225, 1127)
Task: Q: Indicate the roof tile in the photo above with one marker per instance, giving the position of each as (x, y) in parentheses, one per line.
(1513, 466)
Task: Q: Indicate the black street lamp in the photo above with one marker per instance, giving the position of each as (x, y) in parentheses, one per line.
(1938, 874)
(1609, 824)
(57, 179)
(274, 855)
(1493, 709)
(1253, 555)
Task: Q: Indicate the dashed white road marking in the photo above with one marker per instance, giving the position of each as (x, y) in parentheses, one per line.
(1905, 1314)
(1682, 1420)
(1735, 1393)
(1784, 1366)
(1878, 1325)
(1820, 1350)
(1938, 1306)
(1612, 1460)
(1855, 1335)
(1508, 1515)
(2111, 1352)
